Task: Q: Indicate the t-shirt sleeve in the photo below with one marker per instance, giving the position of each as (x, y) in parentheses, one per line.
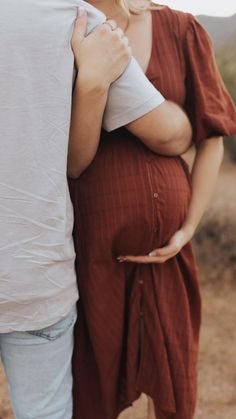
(210, 107)
(131, 95)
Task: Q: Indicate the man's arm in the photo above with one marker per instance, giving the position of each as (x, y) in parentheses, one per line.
(135, 103)
(166, 130)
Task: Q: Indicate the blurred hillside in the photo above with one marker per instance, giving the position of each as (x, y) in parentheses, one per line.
(221, 29)
(226, 60)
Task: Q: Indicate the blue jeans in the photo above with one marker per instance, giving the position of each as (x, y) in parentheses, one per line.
(38, 369)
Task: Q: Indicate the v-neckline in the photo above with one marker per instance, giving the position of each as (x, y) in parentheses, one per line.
(152, 47)
(153, 37)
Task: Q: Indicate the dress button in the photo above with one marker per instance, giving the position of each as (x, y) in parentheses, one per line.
(155, 195)
(141, 313)
(140, 282)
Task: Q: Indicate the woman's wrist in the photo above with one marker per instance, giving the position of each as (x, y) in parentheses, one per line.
(90, 84)
(189, 229)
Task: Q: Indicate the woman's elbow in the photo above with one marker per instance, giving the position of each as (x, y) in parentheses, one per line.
(75, 169)
(73, 173)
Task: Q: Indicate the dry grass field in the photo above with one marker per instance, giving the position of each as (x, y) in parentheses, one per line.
(216, 252)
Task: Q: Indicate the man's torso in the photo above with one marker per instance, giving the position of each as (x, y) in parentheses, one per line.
(37, 280)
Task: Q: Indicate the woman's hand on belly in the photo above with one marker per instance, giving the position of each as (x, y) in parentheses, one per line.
(161, 255)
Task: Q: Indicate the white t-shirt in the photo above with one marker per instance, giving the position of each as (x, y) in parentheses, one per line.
(37, 278)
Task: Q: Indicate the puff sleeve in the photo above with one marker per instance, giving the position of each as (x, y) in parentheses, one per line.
(209, 105)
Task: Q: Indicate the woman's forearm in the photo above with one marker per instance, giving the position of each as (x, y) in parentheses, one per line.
(204, 175)
(89, 102)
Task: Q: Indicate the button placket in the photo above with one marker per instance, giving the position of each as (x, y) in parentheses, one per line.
(155, 197)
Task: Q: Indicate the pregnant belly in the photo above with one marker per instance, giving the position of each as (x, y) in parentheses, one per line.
(129, 200)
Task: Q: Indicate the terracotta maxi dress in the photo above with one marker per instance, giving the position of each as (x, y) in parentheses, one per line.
(138, 325)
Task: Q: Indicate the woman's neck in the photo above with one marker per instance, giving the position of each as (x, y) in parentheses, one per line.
(111, 9)
(138, 28)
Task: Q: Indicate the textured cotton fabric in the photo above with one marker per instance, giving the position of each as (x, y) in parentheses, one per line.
(138, 327)
(37, 278)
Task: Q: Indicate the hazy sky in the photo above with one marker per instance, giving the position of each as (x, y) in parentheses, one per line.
(210, 7)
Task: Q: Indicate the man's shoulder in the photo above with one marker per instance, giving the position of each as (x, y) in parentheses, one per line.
(95, 16)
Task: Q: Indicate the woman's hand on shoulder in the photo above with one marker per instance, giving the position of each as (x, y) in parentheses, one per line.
(103, 55)
(161, 255)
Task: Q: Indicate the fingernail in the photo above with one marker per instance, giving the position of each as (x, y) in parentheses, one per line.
(81, 11)
(151, 254)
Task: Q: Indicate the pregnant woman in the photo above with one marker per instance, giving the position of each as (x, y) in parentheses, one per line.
(135, 214)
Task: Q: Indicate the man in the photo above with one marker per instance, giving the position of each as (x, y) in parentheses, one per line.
(37, 280)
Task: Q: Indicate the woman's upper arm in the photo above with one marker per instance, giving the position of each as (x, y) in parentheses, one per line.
(209, 105)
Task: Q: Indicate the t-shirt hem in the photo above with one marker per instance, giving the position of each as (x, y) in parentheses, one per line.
(34, 326)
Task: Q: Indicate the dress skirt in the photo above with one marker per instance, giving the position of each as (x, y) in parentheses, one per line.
(138, 325)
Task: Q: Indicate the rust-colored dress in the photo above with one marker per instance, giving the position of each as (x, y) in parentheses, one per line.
(138, 325)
